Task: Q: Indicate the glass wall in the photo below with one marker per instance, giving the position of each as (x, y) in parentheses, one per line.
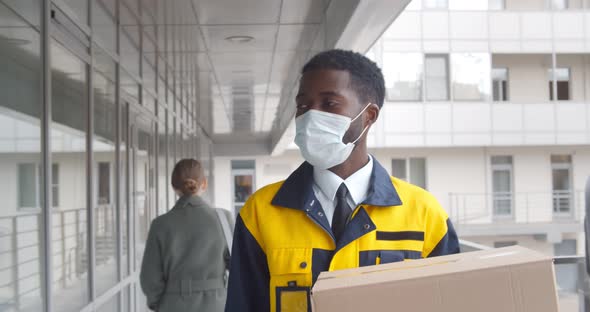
(21, 217)
(113, 140)
(70, 252)
(103, 145)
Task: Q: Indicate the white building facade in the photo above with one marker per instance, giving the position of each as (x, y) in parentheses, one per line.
(487, 108)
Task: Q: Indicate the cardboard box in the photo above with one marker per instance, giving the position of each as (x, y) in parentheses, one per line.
(512, 279)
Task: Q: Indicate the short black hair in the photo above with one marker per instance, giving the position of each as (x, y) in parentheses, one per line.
(366, 77)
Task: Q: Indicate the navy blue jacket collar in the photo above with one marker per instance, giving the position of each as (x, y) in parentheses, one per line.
(297, 190)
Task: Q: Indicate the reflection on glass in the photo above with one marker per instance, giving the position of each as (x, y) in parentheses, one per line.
(172, 158)
(105, 119)
(20, 147)
(162, 168)
(103, 24)
(68, 144)
(143, 160)
(437, 77)
(471, 76)
(126, 187)
(403, 76)
(80, 9)
(129, 41)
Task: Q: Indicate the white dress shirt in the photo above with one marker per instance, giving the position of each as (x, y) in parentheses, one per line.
(326, 183)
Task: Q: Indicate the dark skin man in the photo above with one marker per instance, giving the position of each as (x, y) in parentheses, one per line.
(329, 91)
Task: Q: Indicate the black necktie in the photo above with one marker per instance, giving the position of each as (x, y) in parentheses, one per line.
(341, 212)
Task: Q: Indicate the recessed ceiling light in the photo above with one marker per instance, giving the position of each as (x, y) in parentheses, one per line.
(239, 39)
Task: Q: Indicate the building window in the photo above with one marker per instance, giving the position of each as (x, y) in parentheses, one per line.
(497, 5)
(562, 78)
(403, 76)
(435, 4)
(500, 84)
(558, 4)
(502, 186)
(243, 172)
(29, 185)
(561, 170)
(471, 76)
(501, 244)
(104, 183)
(412, 170)
(437, 77)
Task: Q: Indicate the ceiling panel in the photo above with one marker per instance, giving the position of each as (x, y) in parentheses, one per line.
(216, 38)
(216, 12)
(303, 11)
(295, 37)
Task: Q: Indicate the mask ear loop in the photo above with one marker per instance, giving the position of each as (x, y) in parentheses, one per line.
(366, 127)
(357, 116)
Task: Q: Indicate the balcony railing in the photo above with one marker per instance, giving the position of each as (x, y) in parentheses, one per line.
(522, 208)
(21, 253)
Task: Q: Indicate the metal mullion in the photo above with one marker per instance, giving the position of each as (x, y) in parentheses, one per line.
(118, 230)
(90, 168)
(46, 275)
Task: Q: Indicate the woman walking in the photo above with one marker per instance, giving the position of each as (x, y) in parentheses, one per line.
(186, 254)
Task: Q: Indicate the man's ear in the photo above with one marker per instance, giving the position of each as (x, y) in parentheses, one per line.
(372, 114)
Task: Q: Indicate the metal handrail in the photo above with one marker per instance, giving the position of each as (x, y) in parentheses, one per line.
(71, 265)
(477, 208)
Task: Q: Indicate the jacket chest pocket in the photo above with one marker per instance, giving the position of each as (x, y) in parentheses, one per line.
(373, 257)
(290, 278)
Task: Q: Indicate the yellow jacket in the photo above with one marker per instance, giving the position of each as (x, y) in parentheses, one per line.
(282, 239)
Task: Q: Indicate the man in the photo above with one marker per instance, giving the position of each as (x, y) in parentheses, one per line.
(340, 209)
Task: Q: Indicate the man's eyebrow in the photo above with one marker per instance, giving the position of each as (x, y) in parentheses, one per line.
(331, 93)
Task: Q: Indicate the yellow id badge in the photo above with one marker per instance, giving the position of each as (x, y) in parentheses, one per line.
(293, 300)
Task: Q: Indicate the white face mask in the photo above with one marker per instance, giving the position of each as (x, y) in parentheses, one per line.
(319, 137)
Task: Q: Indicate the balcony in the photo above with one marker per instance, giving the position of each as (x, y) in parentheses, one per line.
(464, 124)
(517, 213)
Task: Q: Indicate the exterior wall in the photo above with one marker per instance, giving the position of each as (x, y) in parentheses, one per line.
(460, 178)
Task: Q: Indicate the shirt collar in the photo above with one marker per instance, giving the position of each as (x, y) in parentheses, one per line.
(358, 183)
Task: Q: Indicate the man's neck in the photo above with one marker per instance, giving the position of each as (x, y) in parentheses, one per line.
(358, 159)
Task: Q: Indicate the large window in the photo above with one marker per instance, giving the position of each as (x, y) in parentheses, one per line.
(561, 170)
(437, 77)
(412, 170)
(403, 76)
(471, 76)
(561, 76)
(502, 193)
(500, 84)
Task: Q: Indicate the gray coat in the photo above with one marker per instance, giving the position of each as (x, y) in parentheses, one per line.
(185, 260)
